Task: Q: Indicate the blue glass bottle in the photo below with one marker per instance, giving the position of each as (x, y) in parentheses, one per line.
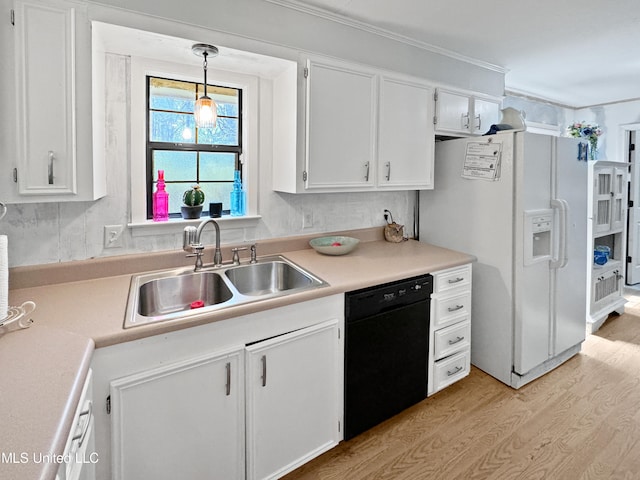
(238, 196)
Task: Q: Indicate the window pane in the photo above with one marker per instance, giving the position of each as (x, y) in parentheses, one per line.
(174, 95)
(177, 165)
(171, 127)
(175, 191)
(217, 166)
(226, 98)
(225, 133)
(217, 192)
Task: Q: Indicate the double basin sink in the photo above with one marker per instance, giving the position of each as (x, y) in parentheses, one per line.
(178, 293)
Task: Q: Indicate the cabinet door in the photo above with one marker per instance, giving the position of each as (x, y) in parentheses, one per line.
(453, 112)
(405, 134)
(340, 130)
(293, 399)
(47, 137)
(46, 117)
(618, 194)
(485, 113)
(602, 199)
(180, 421)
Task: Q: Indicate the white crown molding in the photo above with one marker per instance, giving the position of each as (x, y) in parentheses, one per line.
(350, 22)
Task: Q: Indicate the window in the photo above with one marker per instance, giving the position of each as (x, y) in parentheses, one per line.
(190, 155)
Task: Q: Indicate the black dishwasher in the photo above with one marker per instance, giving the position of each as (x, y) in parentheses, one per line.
(386, 349)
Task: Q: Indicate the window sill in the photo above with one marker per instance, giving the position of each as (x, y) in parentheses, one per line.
(176, 225)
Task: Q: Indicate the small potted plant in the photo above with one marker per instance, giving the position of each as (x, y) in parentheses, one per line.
(193, 200)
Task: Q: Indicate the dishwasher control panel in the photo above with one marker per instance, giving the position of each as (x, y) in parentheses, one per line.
(371, 300)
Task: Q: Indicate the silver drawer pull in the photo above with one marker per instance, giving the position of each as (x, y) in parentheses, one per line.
(457, 340)
(228, 385)
(456, 370)
(456, 280)
(456, 308)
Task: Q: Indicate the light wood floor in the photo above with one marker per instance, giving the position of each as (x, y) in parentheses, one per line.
(581, 421)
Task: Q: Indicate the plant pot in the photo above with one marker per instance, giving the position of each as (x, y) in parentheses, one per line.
(189, 213)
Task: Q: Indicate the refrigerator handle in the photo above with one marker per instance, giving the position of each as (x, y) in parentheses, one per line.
(563, 213)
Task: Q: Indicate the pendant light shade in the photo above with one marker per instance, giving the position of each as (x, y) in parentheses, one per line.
(205, 111)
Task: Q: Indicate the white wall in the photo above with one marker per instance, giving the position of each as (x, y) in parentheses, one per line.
(612, 117)
(58, 232)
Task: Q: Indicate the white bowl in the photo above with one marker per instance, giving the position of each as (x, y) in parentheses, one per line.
(334, 245)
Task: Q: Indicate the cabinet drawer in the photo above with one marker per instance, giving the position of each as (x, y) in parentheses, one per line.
(451, 369)
(451, 339)
(448, 280)
(451, 309)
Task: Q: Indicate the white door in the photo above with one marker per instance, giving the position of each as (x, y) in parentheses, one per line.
(453, 112)
(341, 121)
(405, 134)
(180, 421)
(45, 49)
(571, 279)
(532, 321)
(485, 113)
(293, 399)
(633, 222)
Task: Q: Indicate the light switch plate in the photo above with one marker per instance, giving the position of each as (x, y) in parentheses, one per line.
(113, 236)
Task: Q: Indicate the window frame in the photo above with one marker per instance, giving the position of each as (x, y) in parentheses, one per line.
(252, 112)
(152, 146)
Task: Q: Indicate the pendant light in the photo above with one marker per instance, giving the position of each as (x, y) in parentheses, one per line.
(205, 110)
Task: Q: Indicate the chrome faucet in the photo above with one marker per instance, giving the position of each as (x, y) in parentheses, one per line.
(191, 243)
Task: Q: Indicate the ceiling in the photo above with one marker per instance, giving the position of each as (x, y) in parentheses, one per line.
(577, 54)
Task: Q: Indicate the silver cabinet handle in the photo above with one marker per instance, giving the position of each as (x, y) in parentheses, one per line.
(465, 116)
(366, 175)
(455, 309)
(228, 384)
(456, 370)
(51, 158)
(457, 340)
(388, 165)
(88, 413)
(456, 280)
(479, 125)
(264, 370)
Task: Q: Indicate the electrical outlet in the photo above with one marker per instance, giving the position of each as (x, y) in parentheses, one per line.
(113, 236)
(307, 220)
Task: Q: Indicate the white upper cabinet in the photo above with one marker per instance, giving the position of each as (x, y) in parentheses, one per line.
(464, 113)
(365, 130)
(47, 155)
(405, 134)
(340, 128)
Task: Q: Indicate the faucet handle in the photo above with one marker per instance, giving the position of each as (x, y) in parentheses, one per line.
(236, 255)
(253, 253)
(189, 238)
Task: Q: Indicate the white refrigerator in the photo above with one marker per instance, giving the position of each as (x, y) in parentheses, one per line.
(517, 201)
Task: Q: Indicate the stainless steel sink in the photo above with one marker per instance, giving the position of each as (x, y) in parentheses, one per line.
(173, 294)
(178, 293)
(268, 278)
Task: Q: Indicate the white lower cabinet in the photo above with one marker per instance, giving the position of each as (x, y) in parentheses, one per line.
(253, 397)
(450, 328)
(184, 420)
(292, 406)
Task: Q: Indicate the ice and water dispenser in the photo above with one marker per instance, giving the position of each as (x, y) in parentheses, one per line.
(538, 236)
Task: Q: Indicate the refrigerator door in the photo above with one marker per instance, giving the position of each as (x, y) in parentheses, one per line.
(570, 280)
(532, 287)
